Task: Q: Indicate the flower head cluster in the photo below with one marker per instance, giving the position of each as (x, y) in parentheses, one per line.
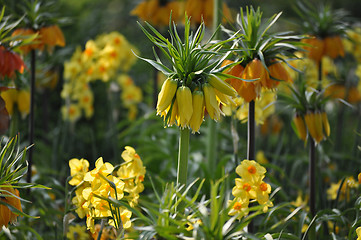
(352, 43)
(250, 188)
(325, 26)
(95, 186)
(194, 83)
(100, 60)
(263, 55)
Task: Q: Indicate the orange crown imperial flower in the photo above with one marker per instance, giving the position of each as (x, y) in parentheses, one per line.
(10, 196)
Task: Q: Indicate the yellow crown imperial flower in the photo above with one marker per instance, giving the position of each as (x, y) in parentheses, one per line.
(192, 75)
(222, 86)
(211, 103)
(326, 124)
(300, 126)
(185, 106)
(166, 94)
(198, 110)
(315, 126)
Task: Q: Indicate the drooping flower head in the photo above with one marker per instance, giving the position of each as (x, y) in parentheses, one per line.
(325, 27)
(263, 54)
(41, 24)
(194, 83)
(157, 12)
(203, 10)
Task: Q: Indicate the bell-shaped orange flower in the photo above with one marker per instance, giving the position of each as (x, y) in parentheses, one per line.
(10, 62)
(314, 49)
(203, 9)
(6, 215)
(52, 36)
(279, 73)
(157, 12)
(333, 47)
(48, 36)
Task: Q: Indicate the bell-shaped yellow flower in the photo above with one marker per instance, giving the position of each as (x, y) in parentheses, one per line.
(185, 106)
(166, 95)
(198, 111)
(211, 103)
(300, 126)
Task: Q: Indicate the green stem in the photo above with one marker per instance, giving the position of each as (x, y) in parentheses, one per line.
(211, 147)
(183, 157)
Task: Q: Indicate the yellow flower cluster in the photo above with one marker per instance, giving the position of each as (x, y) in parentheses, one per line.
(92, 187)
(347, 185)
(250, 188)
(131, 95)
(101, 59)
(264, 107)
(185, 108)
(353, 43)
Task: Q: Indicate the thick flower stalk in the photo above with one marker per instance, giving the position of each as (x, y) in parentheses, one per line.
(93, 188)
(250, 188)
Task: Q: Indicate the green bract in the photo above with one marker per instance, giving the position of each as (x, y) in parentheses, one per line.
(192, 61)
(252, 35)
